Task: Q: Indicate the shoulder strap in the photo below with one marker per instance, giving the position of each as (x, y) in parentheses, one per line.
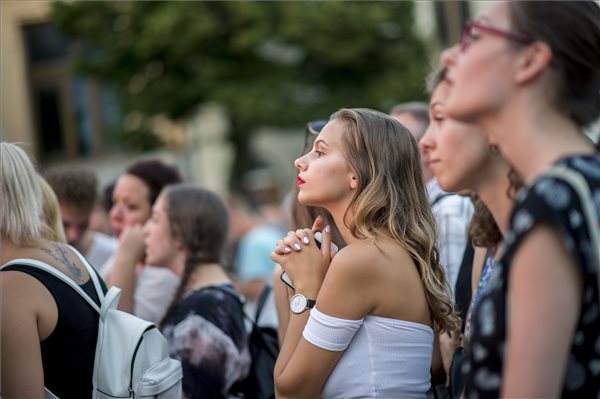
(61, 276)
(228, 290)
(440, 197)
(92, 272)
(261, 301)
(582, 189)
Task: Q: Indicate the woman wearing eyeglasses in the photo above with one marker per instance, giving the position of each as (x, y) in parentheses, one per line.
(529, 74)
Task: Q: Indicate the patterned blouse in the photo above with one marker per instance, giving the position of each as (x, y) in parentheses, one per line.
(553, 202)
(206, 333)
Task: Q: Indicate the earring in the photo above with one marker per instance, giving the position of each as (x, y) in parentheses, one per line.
(494, 150)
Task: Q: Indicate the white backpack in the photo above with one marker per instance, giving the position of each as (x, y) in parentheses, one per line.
(132, 358)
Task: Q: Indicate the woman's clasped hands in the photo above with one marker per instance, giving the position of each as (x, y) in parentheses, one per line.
(300, 257)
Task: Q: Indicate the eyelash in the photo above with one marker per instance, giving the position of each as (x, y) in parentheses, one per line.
(319, 153)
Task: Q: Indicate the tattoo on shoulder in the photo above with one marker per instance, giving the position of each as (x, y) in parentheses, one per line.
(59, 254)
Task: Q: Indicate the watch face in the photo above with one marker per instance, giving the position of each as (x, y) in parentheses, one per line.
(298, 303)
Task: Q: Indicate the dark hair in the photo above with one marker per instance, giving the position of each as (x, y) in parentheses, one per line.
(483, 229)
(155, 174)
(572, 30)
(73, 186)
(198, 219)
(106, 196)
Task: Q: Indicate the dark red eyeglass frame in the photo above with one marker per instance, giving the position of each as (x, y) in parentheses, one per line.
(514, 36)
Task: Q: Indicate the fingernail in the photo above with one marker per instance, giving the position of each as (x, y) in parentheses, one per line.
(297, 246)
(287, 250)
(328, 228)
(305, 240)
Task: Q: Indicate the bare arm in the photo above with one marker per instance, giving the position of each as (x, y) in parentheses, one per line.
(281, 296)
(302, 368)
(22, 372)
(124, 274)
(545, 299)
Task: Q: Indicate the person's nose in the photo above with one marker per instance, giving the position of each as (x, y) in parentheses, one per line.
(300, 163)
(116, 213)
(427, 142)
(146, 228)
(448, 56)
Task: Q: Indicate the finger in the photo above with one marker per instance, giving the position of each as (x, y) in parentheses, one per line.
(301, 234)
(318, 223)
(281, 248)
(292, 242)
(275, 257)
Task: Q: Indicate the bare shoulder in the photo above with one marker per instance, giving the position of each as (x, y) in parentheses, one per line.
(370, 257)
(367, 277)
(60, 256)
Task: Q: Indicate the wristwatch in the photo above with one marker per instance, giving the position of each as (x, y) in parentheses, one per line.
(299, 303)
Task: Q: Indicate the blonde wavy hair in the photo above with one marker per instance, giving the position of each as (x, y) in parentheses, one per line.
(391, 200)
(20, 197)
(52, 226)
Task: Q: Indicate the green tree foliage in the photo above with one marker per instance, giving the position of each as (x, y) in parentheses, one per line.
(270, 63)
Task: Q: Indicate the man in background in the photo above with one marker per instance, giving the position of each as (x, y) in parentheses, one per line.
(75, 189)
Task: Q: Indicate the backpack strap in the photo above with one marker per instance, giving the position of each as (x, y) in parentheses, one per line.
(62, 276)
(230, 291)
(93, 274)
(261, 301)
(581, 187)
(440, 197)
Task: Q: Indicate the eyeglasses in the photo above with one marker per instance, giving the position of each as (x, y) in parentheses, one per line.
(469, 34)
(313, 128)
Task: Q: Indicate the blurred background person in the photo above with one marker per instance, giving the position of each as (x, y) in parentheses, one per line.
(452, 212)
(462, 159)
(76, 190)
(204, 324)
(100, 218)
(253, 239)
(48, 332)
(147, 290)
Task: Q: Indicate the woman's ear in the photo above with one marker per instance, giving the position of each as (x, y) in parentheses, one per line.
(353, 183)
(179, 245)
(535, 59)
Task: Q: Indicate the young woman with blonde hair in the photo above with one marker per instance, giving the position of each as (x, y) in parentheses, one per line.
(48, 332)
(379, 299)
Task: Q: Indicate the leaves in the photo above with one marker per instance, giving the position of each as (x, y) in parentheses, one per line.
(270, 63)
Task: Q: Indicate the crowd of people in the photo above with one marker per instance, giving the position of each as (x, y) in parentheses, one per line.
(429, 252)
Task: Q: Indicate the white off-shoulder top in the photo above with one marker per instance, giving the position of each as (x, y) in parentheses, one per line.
(383, 358)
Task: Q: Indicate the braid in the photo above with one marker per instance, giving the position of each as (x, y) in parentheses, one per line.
(190, 266)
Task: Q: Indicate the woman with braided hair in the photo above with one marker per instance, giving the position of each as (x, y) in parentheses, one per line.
(204, 324)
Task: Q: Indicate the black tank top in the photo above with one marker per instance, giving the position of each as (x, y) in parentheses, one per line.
(68, 353)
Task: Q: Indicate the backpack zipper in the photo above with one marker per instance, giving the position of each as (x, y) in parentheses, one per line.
(134, 356)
